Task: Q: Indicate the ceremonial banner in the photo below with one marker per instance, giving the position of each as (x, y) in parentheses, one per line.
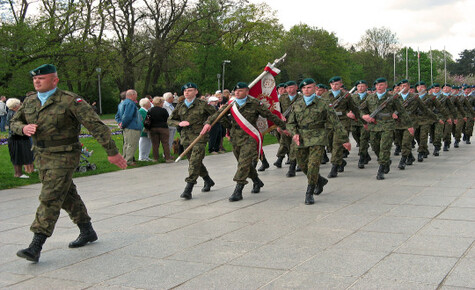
(265, 91)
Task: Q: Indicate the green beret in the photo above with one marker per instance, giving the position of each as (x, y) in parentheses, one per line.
(404, 81)
(455, 87)
(43, 70)
(447, 85)
(321, 86)
(189, 86)
(290, 83)
(430, 87)
(281, 85)
(334, 79)
(361, 82)
(380, 80)
(305, 82)
(421, 83)
(412, 87)
(241, 85)
(436, 85)
(465, 86)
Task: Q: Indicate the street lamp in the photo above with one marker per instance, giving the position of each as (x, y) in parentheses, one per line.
(98, 70)
(224, 65)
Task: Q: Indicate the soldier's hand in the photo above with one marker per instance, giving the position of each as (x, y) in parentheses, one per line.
(118, 160)
(395, 116)
(368, 118)
(441, 121)
(351, 115)
(465, 119)
(296, 139)
(347, 146)
(365, 126)
(449, 121)
(280, 130)
(286, 132)
(411, 131)
(184, 124)
(30, 129)
(456, 121)
(205, 129)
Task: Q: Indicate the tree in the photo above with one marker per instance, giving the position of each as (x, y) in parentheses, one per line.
(379, 41)
(465, 64)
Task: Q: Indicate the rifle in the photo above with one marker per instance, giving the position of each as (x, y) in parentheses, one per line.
(408, 101)
(337, 101)
(289, 109)
(229, 106)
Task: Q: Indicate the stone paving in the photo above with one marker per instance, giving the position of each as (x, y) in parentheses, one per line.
(414, 230)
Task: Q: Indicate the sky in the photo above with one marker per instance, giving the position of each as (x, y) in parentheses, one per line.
(417, 23)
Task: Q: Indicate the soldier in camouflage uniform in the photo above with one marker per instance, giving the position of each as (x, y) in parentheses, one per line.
(447, 101)
(425, 118)
(53, 118)
(307, 122)
(191, 115)
(382, 124)
(360, 129)
(468, 105)
(286, 104)
(246, 109)
(348, 112)
(462, 115)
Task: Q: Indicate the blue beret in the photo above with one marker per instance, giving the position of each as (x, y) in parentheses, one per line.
(241, 85)
(305, 82)
(189, 86)
(334, 79)
(43, 70)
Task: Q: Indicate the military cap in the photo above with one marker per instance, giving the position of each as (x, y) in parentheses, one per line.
(305, 82)
(189, 86)
(436, 85)
(241, 85)
(421, 83)
(361, 82)
(412, 87)
(380, 80)
(447, 85)
(334, 79)
(321, 86)
(394, 86)
(290, 83)
(455, 87)
(281, 85)
(404, 81)
(466, 87)
(43, 70)
(430, 87)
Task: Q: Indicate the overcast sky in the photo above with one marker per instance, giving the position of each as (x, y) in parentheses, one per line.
(417, 23)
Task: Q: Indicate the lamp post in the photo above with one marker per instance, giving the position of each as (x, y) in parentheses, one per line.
(98, 70)
(224, 66)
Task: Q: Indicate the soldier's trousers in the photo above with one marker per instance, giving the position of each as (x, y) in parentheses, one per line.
(447, 135)
(245, 155)
(364, 141)
(356, 133)
(438, 134)
(336, 147)
(58, 192)
(406, 142)
(381, 142)
(195, 158)
(423, 138)
(284, 145)
(469, 127)
(457, 129)
(309, 158)
(398, 133)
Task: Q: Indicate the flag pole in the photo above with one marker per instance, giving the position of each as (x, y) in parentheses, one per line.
(418, 65)
(228, 107)
(445, 67)
(407, 69)
(431, 74)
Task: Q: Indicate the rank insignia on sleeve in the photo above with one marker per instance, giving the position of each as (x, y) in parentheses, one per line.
(78, 100)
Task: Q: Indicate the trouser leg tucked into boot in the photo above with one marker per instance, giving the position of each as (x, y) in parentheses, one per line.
(322, 181)
(237, 194)
(187, 192)
(291, 172)
(341, 167)
(397, 151)
(436, 151)
(278, 162)
(264, 165)
(420, 157)
(402, 163)
(32, 253)
(208, 184)
(333, 172)
(361, 161)
(86, 235)
(257, 184)
(309, 194)
(380, 174)
(446, 146)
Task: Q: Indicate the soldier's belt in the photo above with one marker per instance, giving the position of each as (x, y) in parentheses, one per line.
(339, 113)
(383, 116)
(312, 126)
(52, 143)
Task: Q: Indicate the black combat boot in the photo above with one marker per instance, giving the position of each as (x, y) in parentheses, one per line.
(333, 172)
(208, 184)
(298, 169)
(410, 159)
(309, 194)
(291, 172)
(346, 153)
(387, 167)
(361, 161)
(237, 194)
(446, 146)
(402, 163)
(257, 184)
(368, 159)
(322, 181)
(187, 192)
(420, 157)
(287, 162)
(397, 151)
(264, 165)
(32, 253)
(456, 143)
(436, 150)
(325, 158)
(380, 175)
(425, 154)
(86, 235)
(278, 162)
(467, 141)
(341, 167)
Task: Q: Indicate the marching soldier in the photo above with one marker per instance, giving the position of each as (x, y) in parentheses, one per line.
(469, 108)
(190, 115)
(245, 137)
(346, 110)
(462, 114)
(53, 118)
(360, 129)
(449, 104)
(307, 122)
(381, 121)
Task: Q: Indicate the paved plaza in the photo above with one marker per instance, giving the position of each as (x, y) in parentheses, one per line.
(414, 230)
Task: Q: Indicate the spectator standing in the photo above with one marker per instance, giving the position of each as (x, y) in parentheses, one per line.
(129, 121)
(145, 143)
(3, 113)
(19, 146)
(168, 105)
(159, 129)
(216, 132)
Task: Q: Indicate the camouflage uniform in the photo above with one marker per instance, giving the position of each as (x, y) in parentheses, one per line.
(469, 109)
(426, 118)
(458, 128)
(447, 133)
(57, 150)
(442, 113)
(310, 123)
(286, 141)
(196, 115)
(244, 146)
(360, 134)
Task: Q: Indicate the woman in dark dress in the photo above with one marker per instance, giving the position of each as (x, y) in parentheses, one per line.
(19, 146)
(159, 132)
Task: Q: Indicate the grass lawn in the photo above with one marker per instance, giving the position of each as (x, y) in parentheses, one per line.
(99, 158)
